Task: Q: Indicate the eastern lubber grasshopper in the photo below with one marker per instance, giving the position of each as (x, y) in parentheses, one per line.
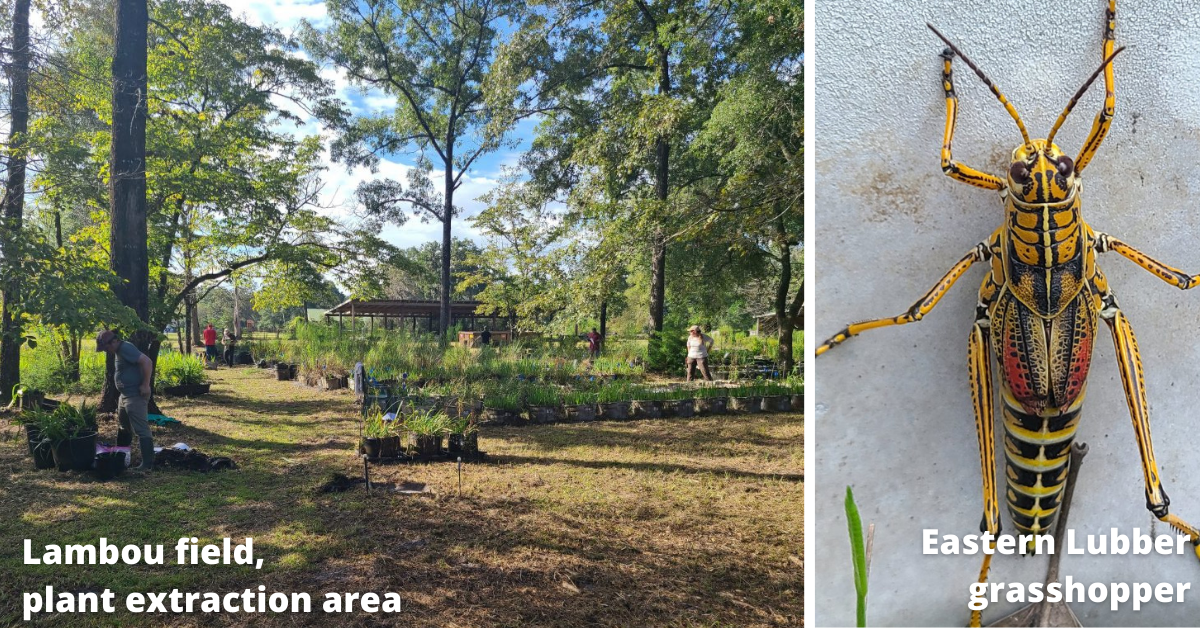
(1039, 311)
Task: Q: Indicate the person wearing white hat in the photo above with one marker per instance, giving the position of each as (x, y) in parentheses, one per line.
(698, 346)
(132, 377)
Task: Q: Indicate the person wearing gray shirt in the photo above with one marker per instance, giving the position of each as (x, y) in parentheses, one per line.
(132, 377)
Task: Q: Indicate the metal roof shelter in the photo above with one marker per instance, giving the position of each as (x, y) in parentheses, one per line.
(418, 314)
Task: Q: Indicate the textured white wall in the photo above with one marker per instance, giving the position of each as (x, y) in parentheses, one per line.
(893, 412)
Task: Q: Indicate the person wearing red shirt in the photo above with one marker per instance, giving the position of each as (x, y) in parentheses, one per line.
(593, 339)
(210, 343)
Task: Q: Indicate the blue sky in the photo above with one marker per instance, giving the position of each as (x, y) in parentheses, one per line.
(484, 175)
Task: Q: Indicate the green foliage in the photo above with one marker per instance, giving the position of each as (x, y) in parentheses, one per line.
(427, 423)
(520, 271)
(45, 367)
(858, 555)
(667, 351)
(64, 422)
(178, 369)
(374, 426)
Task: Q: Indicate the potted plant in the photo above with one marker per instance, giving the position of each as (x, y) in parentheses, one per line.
(776, 398)
(679, 403)
(711, 400)
(544, 402)
(181, 375)
(613, 402)
(579, 406)
(745, 399)
(425, 429)
(464, 435)
(285, 372)
(39, 446)
(109, 465)
(71, 431)
(646, 404)
(501, 407)
(797, 395)
(373, 432)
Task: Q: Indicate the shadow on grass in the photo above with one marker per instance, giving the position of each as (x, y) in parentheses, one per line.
(655, 467)
(293, 407)
(708, 436)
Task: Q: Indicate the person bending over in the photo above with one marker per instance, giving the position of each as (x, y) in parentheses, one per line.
(132, 377)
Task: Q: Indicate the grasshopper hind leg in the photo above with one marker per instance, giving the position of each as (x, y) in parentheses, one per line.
(1130, 362)
(979, 370)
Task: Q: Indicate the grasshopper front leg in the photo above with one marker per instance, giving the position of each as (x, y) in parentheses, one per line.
(1130, 363)
(982, 252)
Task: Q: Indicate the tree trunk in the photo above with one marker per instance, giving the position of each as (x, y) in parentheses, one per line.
(127, 181)
(603, 324)
(658, 244)
(237, 311)
(194, 323)
(786, 358)
(447, 216)
(13, 205)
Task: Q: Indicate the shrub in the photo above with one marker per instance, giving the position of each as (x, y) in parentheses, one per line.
(177, 369)
(666, 351)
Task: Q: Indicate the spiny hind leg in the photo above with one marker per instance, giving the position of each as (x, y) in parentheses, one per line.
(979, 369)
(1130, 363)
(923, 306)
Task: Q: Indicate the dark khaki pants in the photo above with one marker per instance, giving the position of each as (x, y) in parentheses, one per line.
(702, 363)
(131, 416)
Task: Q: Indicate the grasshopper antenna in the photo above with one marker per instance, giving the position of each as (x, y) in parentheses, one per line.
(1012, 111)
(1079, 94)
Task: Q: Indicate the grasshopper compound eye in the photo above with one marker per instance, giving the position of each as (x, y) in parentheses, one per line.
(1065, 166)
(1019, 172)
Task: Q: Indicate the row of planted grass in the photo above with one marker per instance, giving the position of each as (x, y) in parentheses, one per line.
(401, 354)
(325, 349)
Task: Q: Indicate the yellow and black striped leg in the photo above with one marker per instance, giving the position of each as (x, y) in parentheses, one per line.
(1130, 363)
(1169, 274)
(979, 361)
(953, 169)
(1104, 118)
(919, 309)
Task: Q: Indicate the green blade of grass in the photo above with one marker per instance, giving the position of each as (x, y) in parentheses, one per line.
(858, 553)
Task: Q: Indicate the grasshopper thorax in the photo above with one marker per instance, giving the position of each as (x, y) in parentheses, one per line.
(1040, 173)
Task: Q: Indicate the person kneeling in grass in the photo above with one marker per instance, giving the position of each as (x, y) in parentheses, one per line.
(132, 377)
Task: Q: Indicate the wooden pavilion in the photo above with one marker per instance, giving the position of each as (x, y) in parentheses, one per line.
(418, 315)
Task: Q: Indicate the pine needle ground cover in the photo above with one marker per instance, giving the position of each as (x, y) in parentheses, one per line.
(674, 522)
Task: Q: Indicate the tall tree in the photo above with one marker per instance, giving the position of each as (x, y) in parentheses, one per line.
(520, 271)
(12, 207)
(130, 260)
(625, 85)
(754, 203)
(435, 58)
(228, 187)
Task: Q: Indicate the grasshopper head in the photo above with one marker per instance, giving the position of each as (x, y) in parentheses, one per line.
(1040, 173)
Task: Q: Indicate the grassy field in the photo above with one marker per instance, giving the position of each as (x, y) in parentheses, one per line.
(686, 522)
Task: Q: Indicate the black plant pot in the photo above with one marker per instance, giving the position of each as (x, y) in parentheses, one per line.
(371, 447)
(463, 443)
(42, 452)
(427, 444)
(646, 409)
(389, 447)
(75, 454)
(109, 465)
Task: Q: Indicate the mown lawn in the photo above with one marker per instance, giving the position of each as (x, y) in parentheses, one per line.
(685, 522)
